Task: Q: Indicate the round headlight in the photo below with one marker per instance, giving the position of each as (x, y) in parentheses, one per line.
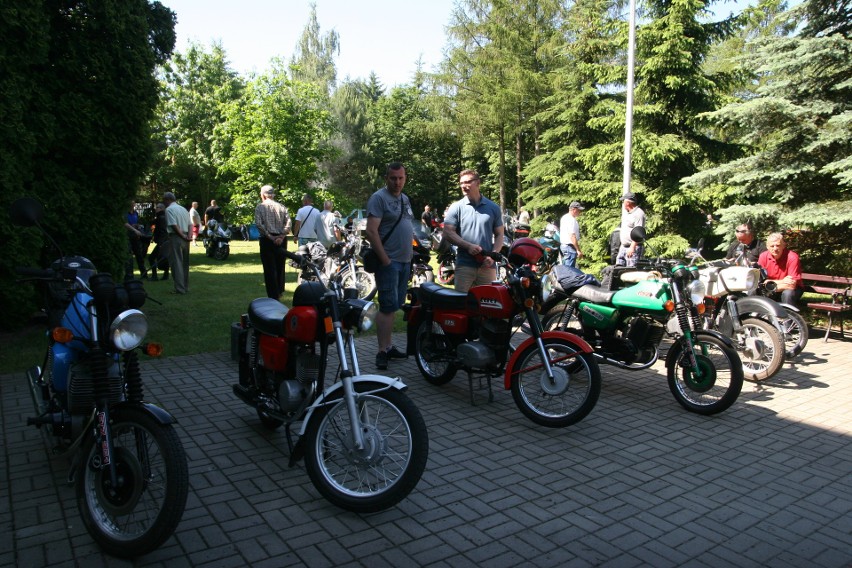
(361, 313)
(546, 287)
(697, 290)
(128, 330)
(368, 316)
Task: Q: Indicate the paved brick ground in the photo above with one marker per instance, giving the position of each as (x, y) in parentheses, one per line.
(640, 482)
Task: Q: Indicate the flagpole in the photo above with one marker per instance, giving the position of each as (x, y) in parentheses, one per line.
(628, 124)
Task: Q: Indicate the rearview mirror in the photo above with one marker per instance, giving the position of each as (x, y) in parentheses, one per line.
(638, 234)
(26, 211)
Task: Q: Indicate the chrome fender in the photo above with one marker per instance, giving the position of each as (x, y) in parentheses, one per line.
(575, 340)
(377, 383)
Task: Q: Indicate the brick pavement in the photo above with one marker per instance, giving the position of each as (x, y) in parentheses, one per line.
(640, 482)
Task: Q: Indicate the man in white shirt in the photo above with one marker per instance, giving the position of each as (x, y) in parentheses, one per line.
(631, 216)
(307, 221)
(329, 232)
(569, 234)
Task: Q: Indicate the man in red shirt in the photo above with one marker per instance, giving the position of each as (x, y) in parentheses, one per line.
(783, 267)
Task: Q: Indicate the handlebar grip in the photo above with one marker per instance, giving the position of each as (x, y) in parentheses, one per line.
(293, 256)
(32, 272)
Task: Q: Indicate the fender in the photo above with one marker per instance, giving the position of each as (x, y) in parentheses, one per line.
(373, 383)
(414, 315)
(670, 357)
(161, 416)
(789, 307)
(575, 340)
(760, 305)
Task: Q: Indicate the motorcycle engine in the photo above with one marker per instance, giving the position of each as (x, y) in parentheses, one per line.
(637, 342)
(291, 392)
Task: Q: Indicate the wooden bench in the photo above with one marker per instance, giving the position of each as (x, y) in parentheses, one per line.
(840, 290)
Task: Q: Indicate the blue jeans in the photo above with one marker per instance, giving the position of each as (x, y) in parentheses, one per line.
(392, 285)
(569, 255)
(622, 260)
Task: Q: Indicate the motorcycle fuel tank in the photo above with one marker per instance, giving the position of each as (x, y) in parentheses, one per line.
(300, 323)
(492, 301)
(650, 295)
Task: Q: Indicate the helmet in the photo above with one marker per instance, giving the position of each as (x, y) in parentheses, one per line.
(525, 251)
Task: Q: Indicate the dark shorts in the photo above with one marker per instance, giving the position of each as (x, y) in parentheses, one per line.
(392, 285)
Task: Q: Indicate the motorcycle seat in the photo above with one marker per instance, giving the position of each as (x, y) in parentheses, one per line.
(594, 294)
(267, 316)
(435, 295)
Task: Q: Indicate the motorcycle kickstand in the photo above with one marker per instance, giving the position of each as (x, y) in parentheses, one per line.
(470, 386)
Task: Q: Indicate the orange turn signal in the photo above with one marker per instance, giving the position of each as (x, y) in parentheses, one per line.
(529, 303)
(669, 306)
(61, 334)
(329, 326)
(525, 282)
(701, 308)
(153, 349)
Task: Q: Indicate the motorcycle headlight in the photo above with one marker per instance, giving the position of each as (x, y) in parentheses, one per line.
(546, 287)
(696, 290)
(362, 314)
(128, 330)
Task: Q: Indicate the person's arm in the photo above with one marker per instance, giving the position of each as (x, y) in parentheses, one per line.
(372, 234)
(573, 239)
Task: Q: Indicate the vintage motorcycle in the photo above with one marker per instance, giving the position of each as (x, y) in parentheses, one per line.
(445, 253)
(421, 270)
(626, 326)
(217, 240)
(127, 460)
(553, 378)
(339, 261)
(364, 442)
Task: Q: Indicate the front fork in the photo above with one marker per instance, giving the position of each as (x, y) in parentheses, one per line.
(537, 330)
(346, 376)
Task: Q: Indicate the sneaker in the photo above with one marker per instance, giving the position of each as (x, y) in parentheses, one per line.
(382, 360)
(394, 353)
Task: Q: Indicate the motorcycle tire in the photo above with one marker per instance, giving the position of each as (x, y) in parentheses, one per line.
(720, 385)
(433, 353)
(795, 333)
(569, 397)
(221, 253)
(761, 349)
(209, 251)
(553, 320)
(387, 470)
(362, 280)
(143, 513)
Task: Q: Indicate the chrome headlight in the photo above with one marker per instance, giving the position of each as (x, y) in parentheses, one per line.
(128, 330)
(361, 314)
(696, 290)
(546, 287)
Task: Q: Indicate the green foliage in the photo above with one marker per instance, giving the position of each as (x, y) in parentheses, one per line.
(78, 95)
(313, 61)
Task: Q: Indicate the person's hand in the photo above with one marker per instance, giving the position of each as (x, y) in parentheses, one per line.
(488, 262)
(631, 250)
(474, 250)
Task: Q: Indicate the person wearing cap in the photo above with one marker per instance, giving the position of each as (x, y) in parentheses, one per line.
(273, 224)
(631, 216)
(569, 234)
(307, 221)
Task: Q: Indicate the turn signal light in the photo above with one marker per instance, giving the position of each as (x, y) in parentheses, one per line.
(701, 308)
(669, 306)
(329, 326)
(61, 335)
(525, 282)
(529, 303)
(153, 349)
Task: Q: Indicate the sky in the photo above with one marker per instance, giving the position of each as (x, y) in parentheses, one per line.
(382, 36)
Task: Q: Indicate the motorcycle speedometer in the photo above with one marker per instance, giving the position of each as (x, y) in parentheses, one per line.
(697, 290)
(128, 330)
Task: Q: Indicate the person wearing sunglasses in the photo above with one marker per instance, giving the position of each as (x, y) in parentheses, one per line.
(746, 243)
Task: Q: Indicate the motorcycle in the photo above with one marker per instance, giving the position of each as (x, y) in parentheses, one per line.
(217, 240)
(553, 378)
(446, 256)
(339, 261)
(551, 256)
(421, 270)
(753, 322)
(127, 461)
(626, 327)
(364, 442)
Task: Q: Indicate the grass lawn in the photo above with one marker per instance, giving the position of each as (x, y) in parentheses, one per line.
(198, 322)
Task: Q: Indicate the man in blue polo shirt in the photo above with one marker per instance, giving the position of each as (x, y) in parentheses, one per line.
(475, 225)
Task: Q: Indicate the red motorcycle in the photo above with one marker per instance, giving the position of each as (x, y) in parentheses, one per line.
(554, 379)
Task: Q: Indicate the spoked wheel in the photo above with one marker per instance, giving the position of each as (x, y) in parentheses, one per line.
(761, 349)
(222, 252)
(380, 475)
(142, 510)
(361, 280)
(557, 319)
(795, 333)
(713, 384)
(566, 398)
(434, 354)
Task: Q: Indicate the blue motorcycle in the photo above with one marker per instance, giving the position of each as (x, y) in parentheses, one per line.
(126, 459)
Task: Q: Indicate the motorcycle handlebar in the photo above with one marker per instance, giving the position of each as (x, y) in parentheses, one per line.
(32, 272)
(294, 257)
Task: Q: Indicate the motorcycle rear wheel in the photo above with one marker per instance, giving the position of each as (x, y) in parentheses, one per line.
(569, 397)
(761, 349)
(432, 352)
(795, 333)
(362, 280)
(720, 382)
(144, 511)
(386, 470)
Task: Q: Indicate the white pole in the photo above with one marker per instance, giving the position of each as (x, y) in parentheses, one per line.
(628, 124)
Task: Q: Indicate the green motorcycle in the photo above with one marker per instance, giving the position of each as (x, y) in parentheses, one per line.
(626, 326)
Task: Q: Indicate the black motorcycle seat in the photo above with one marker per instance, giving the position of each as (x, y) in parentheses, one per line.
(432, 294)
(267, 316)
(594, 294)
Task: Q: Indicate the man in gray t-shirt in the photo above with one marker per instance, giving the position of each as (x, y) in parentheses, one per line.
(389, 218)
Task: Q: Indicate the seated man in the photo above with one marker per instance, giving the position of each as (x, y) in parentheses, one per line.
(783, 267)
(747, 243)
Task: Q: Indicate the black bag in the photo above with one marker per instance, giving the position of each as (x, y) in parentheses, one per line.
(370, 260)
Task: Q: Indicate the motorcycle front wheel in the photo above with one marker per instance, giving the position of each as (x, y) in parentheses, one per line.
(222, 252)
(714, 384)
(434, 353)
(138, 514)
(568, 397)
(761, 349)
(795, 333)
(361, 280)
(386, 470)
